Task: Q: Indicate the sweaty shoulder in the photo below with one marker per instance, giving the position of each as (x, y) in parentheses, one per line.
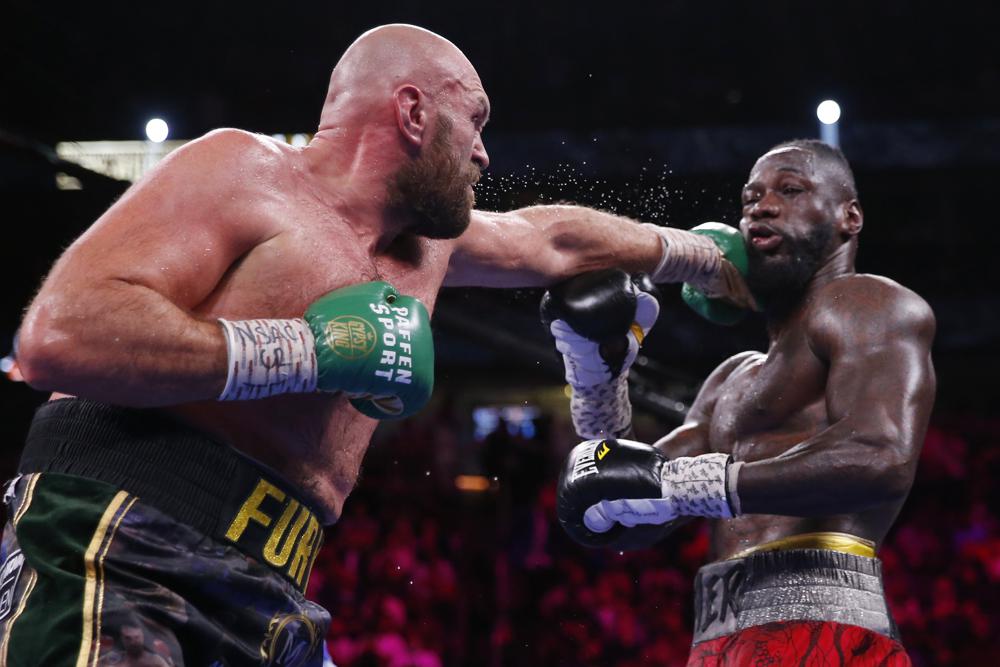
(867, 309)
(231, 147)
(220, 175)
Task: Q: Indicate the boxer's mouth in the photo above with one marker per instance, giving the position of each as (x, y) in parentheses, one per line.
(763, 237)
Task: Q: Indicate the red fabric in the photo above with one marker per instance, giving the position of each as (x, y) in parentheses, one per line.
(802, 644)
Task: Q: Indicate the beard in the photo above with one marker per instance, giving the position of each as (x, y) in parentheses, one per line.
(435, 189)
(777, 279)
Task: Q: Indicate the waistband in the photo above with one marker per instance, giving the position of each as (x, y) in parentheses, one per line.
(793, 585)
(183, 473)
(826, 540)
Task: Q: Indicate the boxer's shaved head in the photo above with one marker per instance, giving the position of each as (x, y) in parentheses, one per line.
(387, 57)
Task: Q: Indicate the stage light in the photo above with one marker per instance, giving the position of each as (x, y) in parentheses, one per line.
(157, 130)
(828, 112)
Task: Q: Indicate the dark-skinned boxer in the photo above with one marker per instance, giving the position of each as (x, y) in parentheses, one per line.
(801, 456)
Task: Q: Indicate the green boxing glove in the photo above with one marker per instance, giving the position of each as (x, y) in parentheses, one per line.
(714, 308)
(374, 343)
(366, 340)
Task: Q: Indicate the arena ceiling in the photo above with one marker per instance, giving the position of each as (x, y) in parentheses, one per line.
(75, 71)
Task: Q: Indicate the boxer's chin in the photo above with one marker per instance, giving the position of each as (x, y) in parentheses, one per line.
(784, 275)
(444, 215)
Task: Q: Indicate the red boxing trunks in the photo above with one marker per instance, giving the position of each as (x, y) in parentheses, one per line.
(796, 607)
(798, 643)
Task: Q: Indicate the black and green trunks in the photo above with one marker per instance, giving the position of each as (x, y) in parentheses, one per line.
(134, 540)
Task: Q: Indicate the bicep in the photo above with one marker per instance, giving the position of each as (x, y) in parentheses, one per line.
(885, 388)
(175, 232)
(492, 252)
(881, 379)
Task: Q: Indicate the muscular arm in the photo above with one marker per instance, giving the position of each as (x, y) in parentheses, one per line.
(876, 338)
(540, 245)
(113, 320)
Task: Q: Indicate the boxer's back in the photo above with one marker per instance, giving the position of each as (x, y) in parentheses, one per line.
(316, 441)
(771, 403)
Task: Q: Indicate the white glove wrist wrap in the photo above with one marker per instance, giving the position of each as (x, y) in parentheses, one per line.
(687, 258)
(602, 410)
(268, 357)
(698, 485)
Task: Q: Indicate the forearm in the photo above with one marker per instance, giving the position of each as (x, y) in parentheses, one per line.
(541, 245)
(834, 472)
(579, 239)
(122, 343)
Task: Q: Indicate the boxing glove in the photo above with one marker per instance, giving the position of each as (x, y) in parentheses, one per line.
(366, 340)
(611, 485)
(709, 298)
(599, 320)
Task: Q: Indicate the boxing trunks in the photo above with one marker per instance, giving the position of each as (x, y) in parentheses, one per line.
(785, 603)
(135, 540)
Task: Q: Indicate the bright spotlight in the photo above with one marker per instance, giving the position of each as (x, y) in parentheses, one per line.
(157, 130)
(828, 112)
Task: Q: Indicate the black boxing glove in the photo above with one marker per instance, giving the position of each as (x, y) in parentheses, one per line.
(608, 488)
(599, 319)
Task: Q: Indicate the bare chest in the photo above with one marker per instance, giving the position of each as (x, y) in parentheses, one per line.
(770, 403)
(316, 441)
(316, 254)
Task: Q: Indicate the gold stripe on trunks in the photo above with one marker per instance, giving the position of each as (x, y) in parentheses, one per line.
(5, 640)
(93, 591)
(830, 541)
(29, 495)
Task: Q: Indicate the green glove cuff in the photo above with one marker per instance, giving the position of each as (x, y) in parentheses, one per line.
(733, 248)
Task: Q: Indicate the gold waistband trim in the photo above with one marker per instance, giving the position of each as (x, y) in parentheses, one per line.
(843, 542)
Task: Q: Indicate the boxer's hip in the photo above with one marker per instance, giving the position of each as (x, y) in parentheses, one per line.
(182, 473)
(797, 584)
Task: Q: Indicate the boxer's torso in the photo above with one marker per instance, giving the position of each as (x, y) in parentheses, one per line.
(768, 404)
(316, 441)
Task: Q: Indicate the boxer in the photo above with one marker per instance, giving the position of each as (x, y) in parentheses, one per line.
(224, 339)
(800, 456)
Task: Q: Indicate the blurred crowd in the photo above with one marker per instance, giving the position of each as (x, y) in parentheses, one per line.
(421, 574)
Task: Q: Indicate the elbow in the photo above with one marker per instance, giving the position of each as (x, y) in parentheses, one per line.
(896, 482)
(42, 349)
(890, 476)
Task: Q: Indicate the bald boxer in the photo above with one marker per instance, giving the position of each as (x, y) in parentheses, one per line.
(801, 456)
(224, 339)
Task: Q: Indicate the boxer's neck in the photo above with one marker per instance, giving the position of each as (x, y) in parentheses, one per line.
(350, 169)
(780, 316)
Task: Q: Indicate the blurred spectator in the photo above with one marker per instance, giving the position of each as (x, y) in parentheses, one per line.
(418, 574)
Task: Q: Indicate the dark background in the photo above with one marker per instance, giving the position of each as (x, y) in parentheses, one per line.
(655, 110)
(652, 109)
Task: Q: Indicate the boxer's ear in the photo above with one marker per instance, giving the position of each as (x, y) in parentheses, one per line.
(411, 113)
(852, 219)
